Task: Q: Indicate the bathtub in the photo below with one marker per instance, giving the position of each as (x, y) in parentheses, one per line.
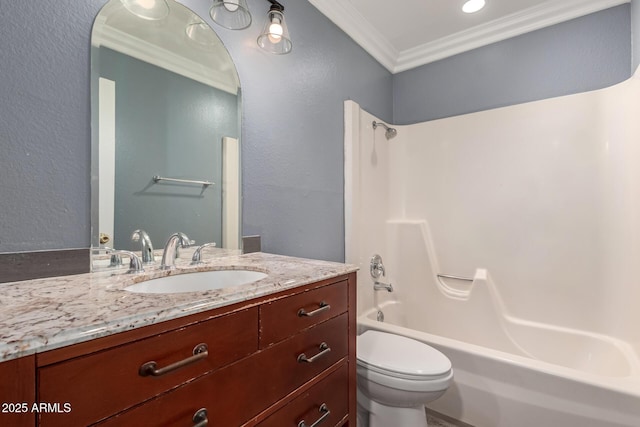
(508, 387)
(536, 207)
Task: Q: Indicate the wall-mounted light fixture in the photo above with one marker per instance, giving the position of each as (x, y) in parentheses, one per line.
(275, 35)
(231, 14)
(235, 15)
(200, 32)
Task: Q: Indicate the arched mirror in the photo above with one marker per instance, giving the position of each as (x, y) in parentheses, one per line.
(165, 127)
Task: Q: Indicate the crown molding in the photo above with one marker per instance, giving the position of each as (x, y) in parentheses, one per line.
(534, 18)
(551, 12)
(127, 44)
(350, 20)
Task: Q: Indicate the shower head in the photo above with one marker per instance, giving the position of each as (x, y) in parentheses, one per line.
(390, 132)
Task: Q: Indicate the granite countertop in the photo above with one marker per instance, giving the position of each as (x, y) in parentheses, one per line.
(44, 314)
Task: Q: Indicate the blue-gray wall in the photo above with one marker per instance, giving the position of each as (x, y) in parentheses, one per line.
(292, 126)
(172, 126)
(292, 134)
(45, 119)
(635, 32)
(583, 54)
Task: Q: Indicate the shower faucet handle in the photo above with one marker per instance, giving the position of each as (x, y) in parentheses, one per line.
(376, 267)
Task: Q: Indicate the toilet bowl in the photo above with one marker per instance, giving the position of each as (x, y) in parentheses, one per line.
(396, 377)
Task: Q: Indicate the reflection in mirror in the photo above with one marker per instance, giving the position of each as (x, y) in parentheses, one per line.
(165, 128)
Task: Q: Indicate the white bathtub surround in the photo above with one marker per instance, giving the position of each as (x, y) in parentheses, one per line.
(538, 205)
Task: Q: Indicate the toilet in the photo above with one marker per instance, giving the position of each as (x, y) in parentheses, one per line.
(396, 377)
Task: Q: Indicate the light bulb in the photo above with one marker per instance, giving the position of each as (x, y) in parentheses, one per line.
(473, 6)
(147, 4)
(275, 31)
(274, 37)
(231, 5)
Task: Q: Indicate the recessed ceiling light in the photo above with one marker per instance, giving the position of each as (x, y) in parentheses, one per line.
(472, 6)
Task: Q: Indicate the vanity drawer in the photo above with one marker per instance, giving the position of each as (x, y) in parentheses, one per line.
(329, 400)
(104, 383)
(238, 392)
(283, 318)
(283, 363)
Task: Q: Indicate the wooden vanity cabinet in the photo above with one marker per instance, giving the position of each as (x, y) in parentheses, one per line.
(272, 361)
(326, 403)
(17, 392)
(106, 382)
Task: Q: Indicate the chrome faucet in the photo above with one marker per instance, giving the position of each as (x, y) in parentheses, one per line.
(379, 286)
(171, 250)
(115, 260)
(147, 247)
(135, 264)
(376, 268)
(197, 255)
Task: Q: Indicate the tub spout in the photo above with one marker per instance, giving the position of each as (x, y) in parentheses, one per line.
(379, 286)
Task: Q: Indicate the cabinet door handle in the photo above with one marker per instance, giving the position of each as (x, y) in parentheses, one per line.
(324, 410)
(151, 368)
(324, 349)
(200, 417)
(323, 307)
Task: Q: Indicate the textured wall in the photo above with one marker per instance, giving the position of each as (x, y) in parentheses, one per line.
(635, 32)
(292, 105)
(583, 54)
(292, 126)
(292, 134)
(176, 132)
(44, 124)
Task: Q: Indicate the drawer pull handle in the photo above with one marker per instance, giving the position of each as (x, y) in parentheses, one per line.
(200, 417)
(323, 307)
(325, 413)
(324, 349)
(151, 368)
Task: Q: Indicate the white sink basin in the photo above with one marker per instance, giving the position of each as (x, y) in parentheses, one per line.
(193, 282)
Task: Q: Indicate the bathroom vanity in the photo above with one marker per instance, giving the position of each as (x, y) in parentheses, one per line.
(284, 356)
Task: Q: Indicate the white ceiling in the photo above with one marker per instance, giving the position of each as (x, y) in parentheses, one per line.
(404, 34)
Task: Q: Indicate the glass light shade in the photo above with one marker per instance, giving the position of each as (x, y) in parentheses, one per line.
(231, 14)
(201, 33)
(275, 35)
(151, 10)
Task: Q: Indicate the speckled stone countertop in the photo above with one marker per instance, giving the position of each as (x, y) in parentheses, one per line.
(44, 314)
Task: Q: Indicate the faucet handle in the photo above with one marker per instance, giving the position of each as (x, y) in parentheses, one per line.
(116, 260)
(135, 264)
(197, 255)
(376, 267)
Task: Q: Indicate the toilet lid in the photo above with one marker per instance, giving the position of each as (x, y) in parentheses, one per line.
(400, 356)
